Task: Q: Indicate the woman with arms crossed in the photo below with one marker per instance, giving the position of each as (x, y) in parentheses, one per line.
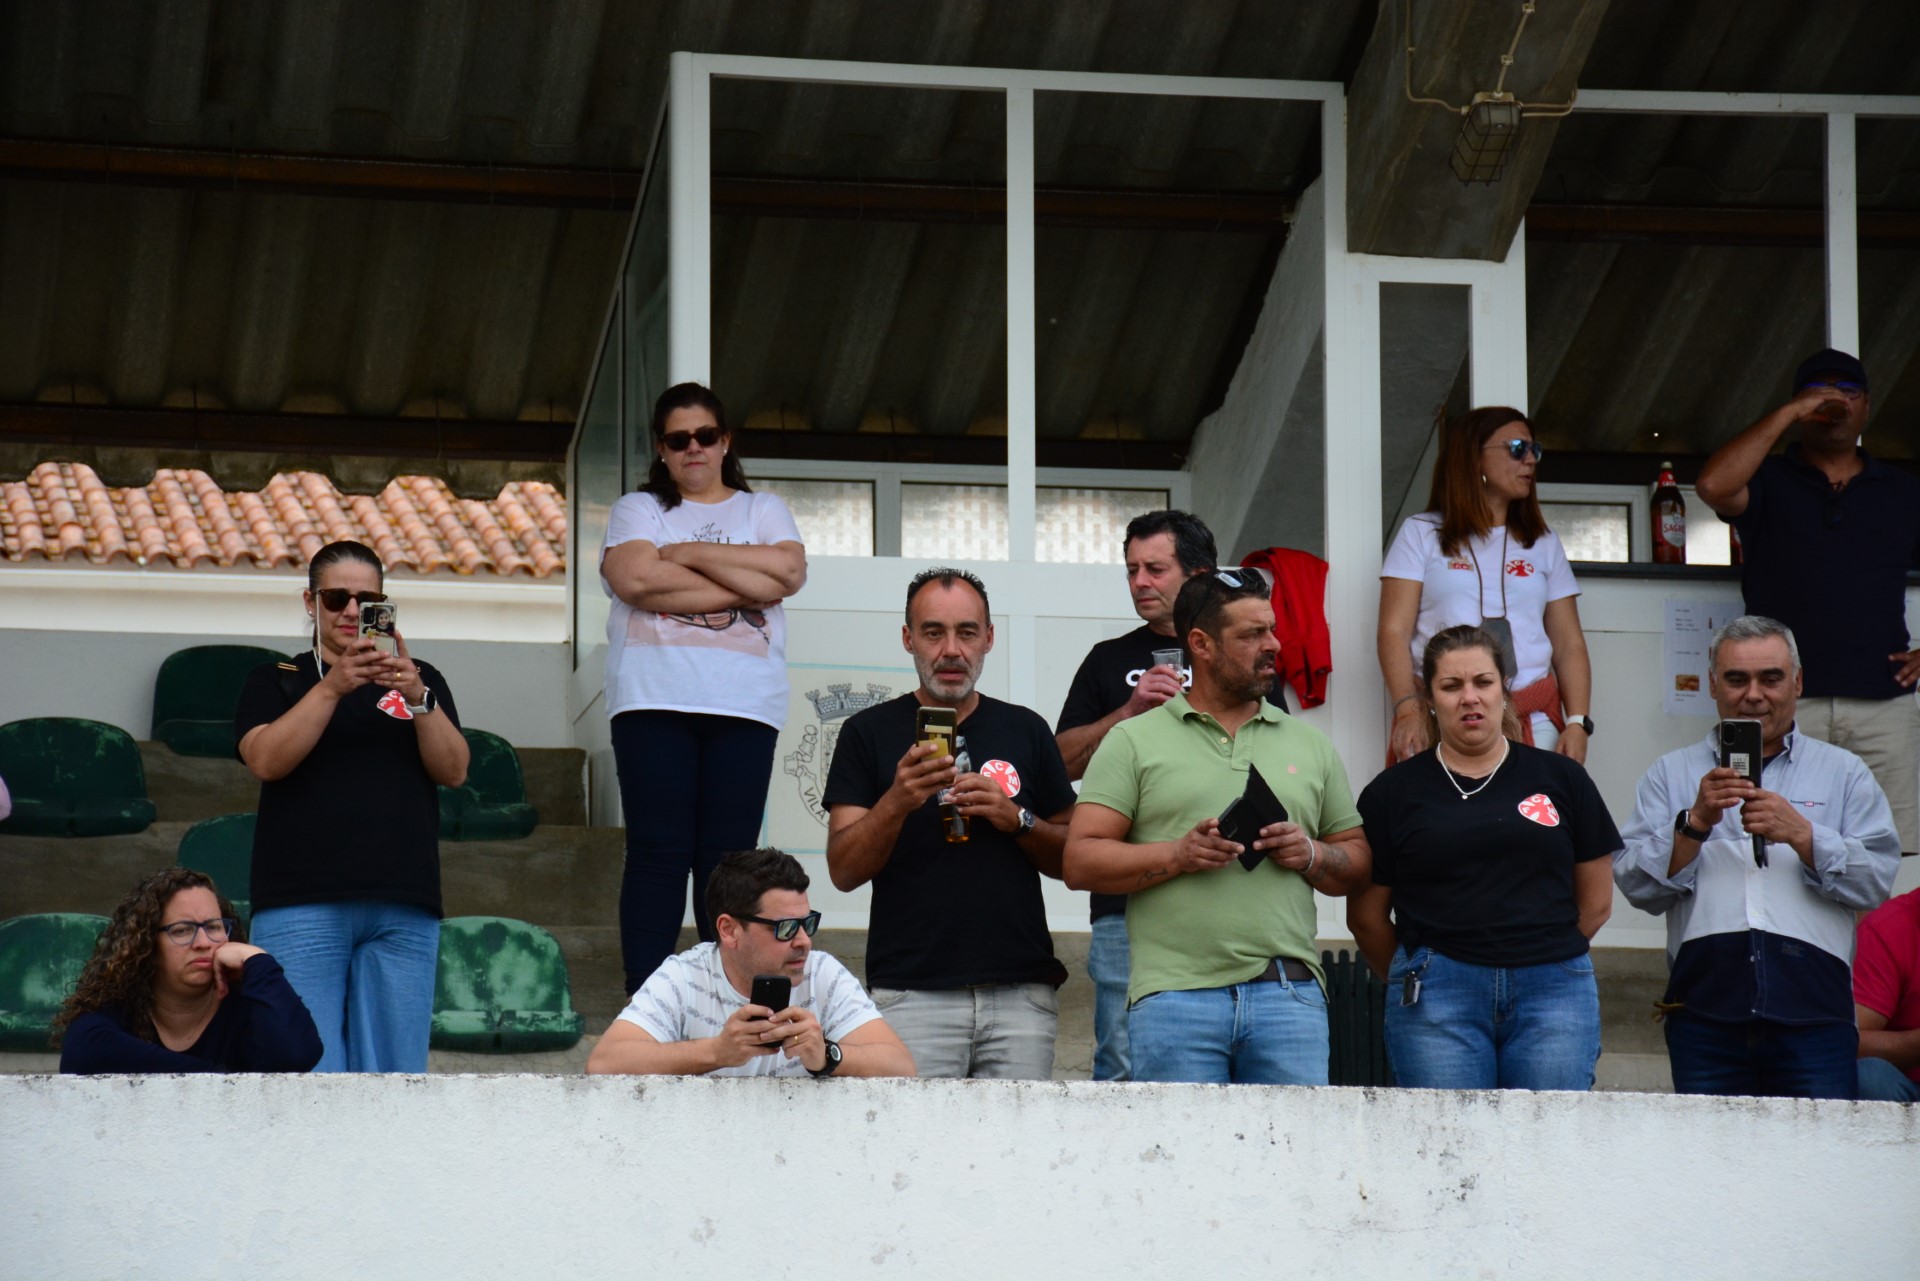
(1492, 870)
(697, 565)
(1482, 554)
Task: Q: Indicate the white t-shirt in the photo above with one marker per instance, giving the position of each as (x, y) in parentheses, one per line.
(729, 663)
(689, 999)
(1467, 588)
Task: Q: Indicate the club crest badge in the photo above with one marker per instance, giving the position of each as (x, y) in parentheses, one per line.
(1004, 775)
(1538, 808)
(812, 756)
(394, 704)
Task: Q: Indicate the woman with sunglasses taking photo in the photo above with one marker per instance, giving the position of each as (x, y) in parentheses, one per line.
(173, 986)
(1482, 555)
(349, 744)
(697, 565)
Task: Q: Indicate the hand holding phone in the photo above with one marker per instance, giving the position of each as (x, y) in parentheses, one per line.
(774, 991)
(378, 620)
(1742, 743)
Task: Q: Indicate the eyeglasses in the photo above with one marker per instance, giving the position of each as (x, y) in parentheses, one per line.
(336, 598)
(1518, 448)
(181, 933)
(787, 926)
(1847, 391)
(678, 441)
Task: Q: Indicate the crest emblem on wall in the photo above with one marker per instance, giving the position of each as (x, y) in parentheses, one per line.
(812, 756)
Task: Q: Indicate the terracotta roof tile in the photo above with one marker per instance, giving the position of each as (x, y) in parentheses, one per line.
(62, 511)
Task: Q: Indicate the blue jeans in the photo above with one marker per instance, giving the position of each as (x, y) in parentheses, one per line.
(1759, 1058)
(999, 1031)
(365, 972)
(1271, 1033)
(693, 788)
(1477, 1027)
(1882, 1082)
(1109, 959)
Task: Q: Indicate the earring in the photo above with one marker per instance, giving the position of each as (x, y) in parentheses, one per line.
(1483, 478)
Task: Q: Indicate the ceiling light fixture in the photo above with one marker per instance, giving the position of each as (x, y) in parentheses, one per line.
(1491, 121)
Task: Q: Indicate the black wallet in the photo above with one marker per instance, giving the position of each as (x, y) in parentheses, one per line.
(1247, 813)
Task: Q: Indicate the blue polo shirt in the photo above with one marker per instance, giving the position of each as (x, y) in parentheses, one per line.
(1833, 567)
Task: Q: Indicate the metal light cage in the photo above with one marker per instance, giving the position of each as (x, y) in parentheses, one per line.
(1486, 136)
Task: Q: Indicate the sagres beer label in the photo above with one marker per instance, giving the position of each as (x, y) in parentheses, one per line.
(810, 759)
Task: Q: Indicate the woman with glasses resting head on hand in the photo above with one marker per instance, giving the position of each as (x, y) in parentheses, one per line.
(1492, 870)
(174, 987)
(349, 743)
(697, 565)
(1482, 554)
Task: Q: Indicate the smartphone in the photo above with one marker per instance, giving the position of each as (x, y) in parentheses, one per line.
(378, 620)
(1740, 748)
(775, 991)
(936, 725)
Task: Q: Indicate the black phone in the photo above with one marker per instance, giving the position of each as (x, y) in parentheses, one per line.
(936, 724)
(775, 991)
(1247, 813)
(1741, 746)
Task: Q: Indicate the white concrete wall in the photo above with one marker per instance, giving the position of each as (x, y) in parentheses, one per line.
(552, 1177)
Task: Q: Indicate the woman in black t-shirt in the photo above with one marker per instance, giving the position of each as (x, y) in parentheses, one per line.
(1492, 868)
(173, 986)
(348, 743)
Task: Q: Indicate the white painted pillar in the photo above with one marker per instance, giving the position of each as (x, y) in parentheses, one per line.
(1498, 333)
(1843, 235)
(1022, 414)
(689, 220)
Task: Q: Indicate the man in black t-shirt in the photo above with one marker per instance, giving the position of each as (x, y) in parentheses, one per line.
(959, 959)
(1117, 680)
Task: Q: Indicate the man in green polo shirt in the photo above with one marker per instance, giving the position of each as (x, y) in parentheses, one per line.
(1225, 983)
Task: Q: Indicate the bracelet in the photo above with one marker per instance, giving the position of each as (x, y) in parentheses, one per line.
(1313, 859)
(1404, 698)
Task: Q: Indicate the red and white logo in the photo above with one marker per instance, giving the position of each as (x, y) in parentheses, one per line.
(1538, 808)
(1460, 564)
(1521, 568)
(394, 704)
(1004, 775)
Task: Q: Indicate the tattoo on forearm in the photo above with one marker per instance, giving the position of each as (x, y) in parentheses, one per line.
(1158, 873)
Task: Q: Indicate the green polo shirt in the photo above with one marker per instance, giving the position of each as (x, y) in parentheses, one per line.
(1171, 767)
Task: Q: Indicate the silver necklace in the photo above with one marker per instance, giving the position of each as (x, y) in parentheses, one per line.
(1439, 754)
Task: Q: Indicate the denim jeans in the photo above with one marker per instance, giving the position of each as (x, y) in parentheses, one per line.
(365, 972)
(1479, 1027)
(1882, 1082)
(693, 788)
(1002, 1031)
(1271, 1033)
(1759, 1058)
(1109, 960)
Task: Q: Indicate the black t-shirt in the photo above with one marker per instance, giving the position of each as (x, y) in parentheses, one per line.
(947, 916)
(1105, 681)
(1487, 880)
(359, 818)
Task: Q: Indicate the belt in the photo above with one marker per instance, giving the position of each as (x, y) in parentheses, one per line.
(1296, 971)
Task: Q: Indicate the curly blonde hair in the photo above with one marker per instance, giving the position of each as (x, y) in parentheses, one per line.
(120, 973)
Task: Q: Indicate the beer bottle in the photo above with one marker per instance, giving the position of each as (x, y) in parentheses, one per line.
(952, 821)
(1669, 520)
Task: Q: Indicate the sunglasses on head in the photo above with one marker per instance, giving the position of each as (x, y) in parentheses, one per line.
(678, 441)
(336, 598)
(1518, 448)
(787, 926)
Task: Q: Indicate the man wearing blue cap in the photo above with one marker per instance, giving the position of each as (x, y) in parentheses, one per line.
(1829, 533)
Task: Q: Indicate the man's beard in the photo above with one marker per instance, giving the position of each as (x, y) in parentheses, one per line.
(1246, 684)
(925, 670)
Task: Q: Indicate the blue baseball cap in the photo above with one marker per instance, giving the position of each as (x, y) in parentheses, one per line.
(1828, 365)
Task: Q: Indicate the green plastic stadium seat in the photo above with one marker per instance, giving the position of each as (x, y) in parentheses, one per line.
(502, 988)
(72, 777)
(41, 958)
(195, 694)
(492, 805)
(223, 849)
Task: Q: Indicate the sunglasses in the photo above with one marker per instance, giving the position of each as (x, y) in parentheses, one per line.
(678, 441)
(1848, 391)
(336, 598)
(181, 933)
(1518, 448)
(787, 926)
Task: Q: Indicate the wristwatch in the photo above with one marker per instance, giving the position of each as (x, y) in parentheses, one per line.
(427, 703)
(1584, 722)
(1026, 822)
(832, 1063)
(1683, 828)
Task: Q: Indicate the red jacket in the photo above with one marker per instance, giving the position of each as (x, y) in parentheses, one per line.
(1299, 618)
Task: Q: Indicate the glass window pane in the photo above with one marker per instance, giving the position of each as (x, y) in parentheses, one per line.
(1087, 526)
(597, 483)
(1708, 542)
(835, 516)
(953, 522)
(1592, 531)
